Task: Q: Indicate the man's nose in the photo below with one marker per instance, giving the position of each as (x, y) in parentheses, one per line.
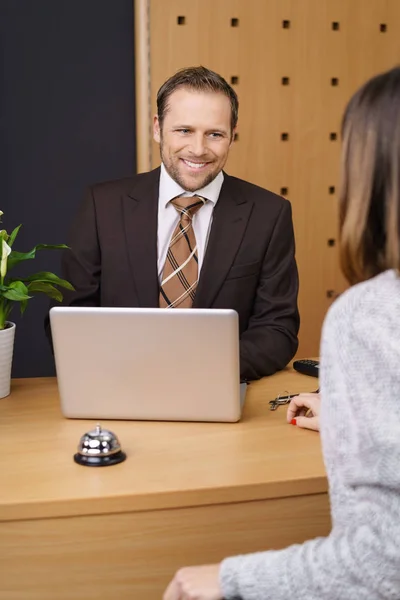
(198, 145)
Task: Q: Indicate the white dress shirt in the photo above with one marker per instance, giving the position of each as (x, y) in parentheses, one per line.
(168, 216)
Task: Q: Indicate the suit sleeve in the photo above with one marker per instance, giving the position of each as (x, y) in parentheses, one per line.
(270, 341)
(81, 263)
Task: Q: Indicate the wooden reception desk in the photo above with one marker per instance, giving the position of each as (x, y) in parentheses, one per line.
(188, 493)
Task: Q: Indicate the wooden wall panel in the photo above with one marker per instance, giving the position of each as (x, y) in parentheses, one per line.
(326, 49)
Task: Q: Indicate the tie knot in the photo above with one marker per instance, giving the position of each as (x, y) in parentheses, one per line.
(188, 206)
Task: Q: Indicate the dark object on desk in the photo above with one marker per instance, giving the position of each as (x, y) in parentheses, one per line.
(307, 367)
(99, 448)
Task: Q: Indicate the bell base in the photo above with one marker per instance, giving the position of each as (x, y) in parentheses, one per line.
(100, 461)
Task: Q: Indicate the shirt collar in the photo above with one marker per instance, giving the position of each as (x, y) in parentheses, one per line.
(169, 189)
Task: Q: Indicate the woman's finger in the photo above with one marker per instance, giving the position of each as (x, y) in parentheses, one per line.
(303, 411)
(307, 401)
(172, 592)
(307, 423)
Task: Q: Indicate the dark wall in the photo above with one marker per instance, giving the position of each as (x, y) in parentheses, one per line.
(66, 120)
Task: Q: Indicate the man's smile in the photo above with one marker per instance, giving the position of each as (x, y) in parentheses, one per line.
(194, 165)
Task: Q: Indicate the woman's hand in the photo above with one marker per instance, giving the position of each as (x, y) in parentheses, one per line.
(195, 583)
(304, 410)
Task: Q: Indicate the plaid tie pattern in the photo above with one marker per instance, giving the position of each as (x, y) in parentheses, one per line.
(180, 274)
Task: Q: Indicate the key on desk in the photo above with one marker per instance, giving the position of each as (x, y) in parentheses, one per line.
(281, 400)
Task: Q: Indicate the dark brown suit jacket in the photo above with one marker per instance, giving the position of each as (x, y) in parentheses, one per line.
(249, 264)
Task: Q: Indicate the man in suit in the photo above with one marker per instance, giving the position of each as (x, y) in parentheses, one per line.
(187, 234)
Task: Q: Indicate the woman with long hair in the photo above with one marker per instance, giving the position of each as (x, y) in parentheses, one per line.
(360, 392)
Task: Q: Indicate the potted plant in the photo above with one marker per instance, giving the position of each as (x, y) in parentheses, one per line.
(20, 290)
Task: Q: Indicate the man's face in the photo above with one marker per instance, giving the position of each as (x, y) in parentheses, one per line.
(195, 137)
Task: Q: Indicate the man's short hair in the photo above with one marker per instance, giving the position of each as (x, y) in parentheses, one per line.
(199, 79)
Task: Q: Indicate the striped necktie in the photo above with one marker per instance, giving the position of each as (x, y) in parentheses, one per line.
(180, 274)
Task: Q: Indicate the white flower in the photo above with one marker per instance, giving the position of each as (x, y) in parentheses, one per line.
(4, 254)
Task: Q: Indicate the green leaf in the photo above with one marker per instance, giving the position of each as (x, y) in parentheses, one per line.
(17, 257)
(46, 277)
(23, 305)
(17, 291)
(13, 235)
(51, 247)
(45, 288)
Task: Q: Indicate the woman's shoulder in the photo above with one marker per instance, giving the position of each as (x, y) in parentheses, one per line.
(374, 301)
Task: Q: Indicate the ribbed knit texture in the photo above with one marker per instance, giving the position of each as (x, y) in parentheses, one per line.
(360, 434)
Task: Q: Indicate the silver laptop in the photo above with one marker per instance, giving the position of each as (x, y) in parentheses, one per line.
(148, 363)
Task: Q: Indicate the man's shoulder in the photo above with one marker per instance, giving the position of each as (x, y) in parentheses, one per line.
(255, 192)
(125, 185)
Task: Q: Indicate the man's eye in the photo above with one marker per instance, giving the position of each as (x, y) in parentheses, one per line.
(215, 134)
(183, 130)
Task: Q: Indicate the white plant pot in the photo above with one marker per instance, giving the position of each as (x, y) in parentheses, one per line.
(6, 354)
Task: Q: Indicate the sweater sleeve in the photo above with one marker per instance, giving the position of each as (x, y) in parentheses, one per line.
(360, 431)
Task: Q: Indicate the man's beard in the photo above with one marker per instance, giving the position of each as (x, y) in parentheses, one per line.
(173, 172)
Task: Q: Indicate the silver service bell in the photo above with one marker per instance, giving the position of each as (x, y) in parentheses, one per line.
(99, 448)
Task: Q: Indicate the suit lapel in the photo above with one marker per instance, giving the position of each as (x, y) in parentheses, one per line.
(230, 217)
(140, 213)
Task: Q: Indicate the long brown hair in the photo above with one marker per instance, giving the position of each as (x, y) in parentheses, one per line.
(370, 180)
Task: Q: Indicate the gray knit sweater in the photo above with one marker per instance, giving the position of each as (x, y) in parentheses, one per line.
(360, 433)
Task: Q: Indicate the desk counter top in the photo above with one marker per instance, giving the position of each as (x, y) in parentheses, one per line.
(169, 465)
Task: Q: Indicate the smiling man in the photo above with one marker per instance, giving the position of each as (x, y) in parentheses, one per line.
(189, 235)
(194, 130)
